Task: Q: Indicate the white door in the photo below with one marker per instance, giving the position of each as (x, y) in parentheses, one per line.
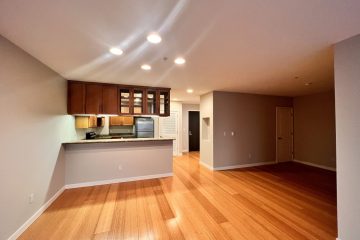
(284, 134)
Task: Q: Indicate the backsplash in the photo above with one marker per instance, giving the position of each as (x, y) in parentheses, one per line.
(122, 130)
(106, 129)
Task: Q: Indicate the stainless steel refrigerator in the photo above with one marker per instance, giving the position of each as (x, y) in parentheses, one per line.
(144, 127)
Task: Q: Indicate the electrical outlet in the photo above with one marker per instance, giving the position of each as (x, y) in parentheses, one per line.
(224, 133)
(31, 198)
(232, 133)
(120, 167)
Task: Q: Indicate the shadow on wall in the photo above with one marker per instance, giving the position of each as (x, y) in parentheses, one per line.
(57, 179)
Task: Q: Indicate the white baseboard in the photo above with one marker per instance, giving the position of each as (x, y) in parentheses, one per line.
(315, 165)
(338, 238)
(244, 165)
(206, 165)
(236, 166)
(36, 215)
(118, 180)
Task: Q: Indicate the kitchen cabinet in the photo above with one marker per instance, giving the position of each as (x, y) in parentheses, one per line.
(110, 99)
(150, 102)
(76, 98)
(93, 102)
(125, 101)
(121, 121)
(128, 121)
(138, 102)
(164, 103)
(86, 122)
(103, 98)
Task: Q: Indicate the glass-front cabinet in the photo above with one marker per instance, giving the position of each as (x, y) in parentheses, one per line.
(125, 101)
(138, 101)
(164, 103)
(144, 101)
(151, 102)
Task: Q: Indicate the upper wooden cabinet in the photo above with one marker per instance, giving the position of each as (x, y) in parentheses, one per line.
(76, 98)
(126, 101)
(151, 103)
(164, 103)
(110, 99)
(102, 98)
(93, 103)
(138, 101)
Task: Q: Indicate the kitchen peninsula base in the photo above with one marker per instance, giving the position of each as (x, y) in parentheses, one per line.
(95, 163)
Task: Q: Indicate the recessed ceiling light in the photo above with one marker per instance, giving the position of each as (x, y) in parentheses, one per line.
(189, 90)
(308, 83)
(154, 38)
(116, 51)
(179, 61)
(146, 67)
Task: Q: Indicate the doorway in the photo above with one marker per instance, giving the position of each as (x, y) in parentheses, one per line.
(194, 131)
(284, 134)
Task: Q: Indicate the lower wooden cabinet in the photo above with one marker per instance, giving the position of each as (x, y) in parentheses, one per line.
(121, 121)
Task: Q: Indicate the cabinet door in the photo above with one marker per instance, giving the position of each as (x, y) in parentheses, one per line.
(138, 101)
(164, 103)
(81, 122)
(150, 102)
(76, 98)
(110, 99)
(116, 121)
(92, 122)
(125, 102)
(128, 121)
(93, 98)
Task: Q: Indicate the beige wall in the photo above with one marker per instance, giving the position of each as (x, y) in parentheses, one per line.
(32, 126)
(185, 124)
(314, 129)
(253, 120)
(347, 105)
(206, 140)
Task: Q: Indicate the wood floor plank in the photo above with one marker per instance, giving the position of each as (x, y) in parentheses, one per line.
(284, 201)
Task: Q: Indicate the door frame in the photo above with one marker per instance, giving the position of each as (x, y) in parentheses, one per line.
(292, 135)
(187, 130)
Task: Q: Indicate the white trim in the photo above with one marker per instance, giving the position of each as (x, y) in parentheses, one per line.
(235, 166)
(244, 165)
(118, 180)
(316, 165)
(206, 165)
(37, 214)
(338, 238)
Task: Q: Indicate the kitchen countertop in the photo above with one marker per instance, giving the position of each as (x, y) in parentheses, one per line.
(99, 140)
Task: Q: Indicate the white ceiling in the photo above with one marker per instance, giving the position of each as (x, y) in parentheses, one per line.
(253, 46)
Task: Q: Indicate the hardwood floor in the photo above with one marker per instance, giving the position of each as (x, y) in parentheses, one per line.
(285, 201)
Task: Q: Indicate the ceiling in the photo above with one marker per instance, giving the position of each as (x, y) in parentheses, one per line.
(266, 47)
